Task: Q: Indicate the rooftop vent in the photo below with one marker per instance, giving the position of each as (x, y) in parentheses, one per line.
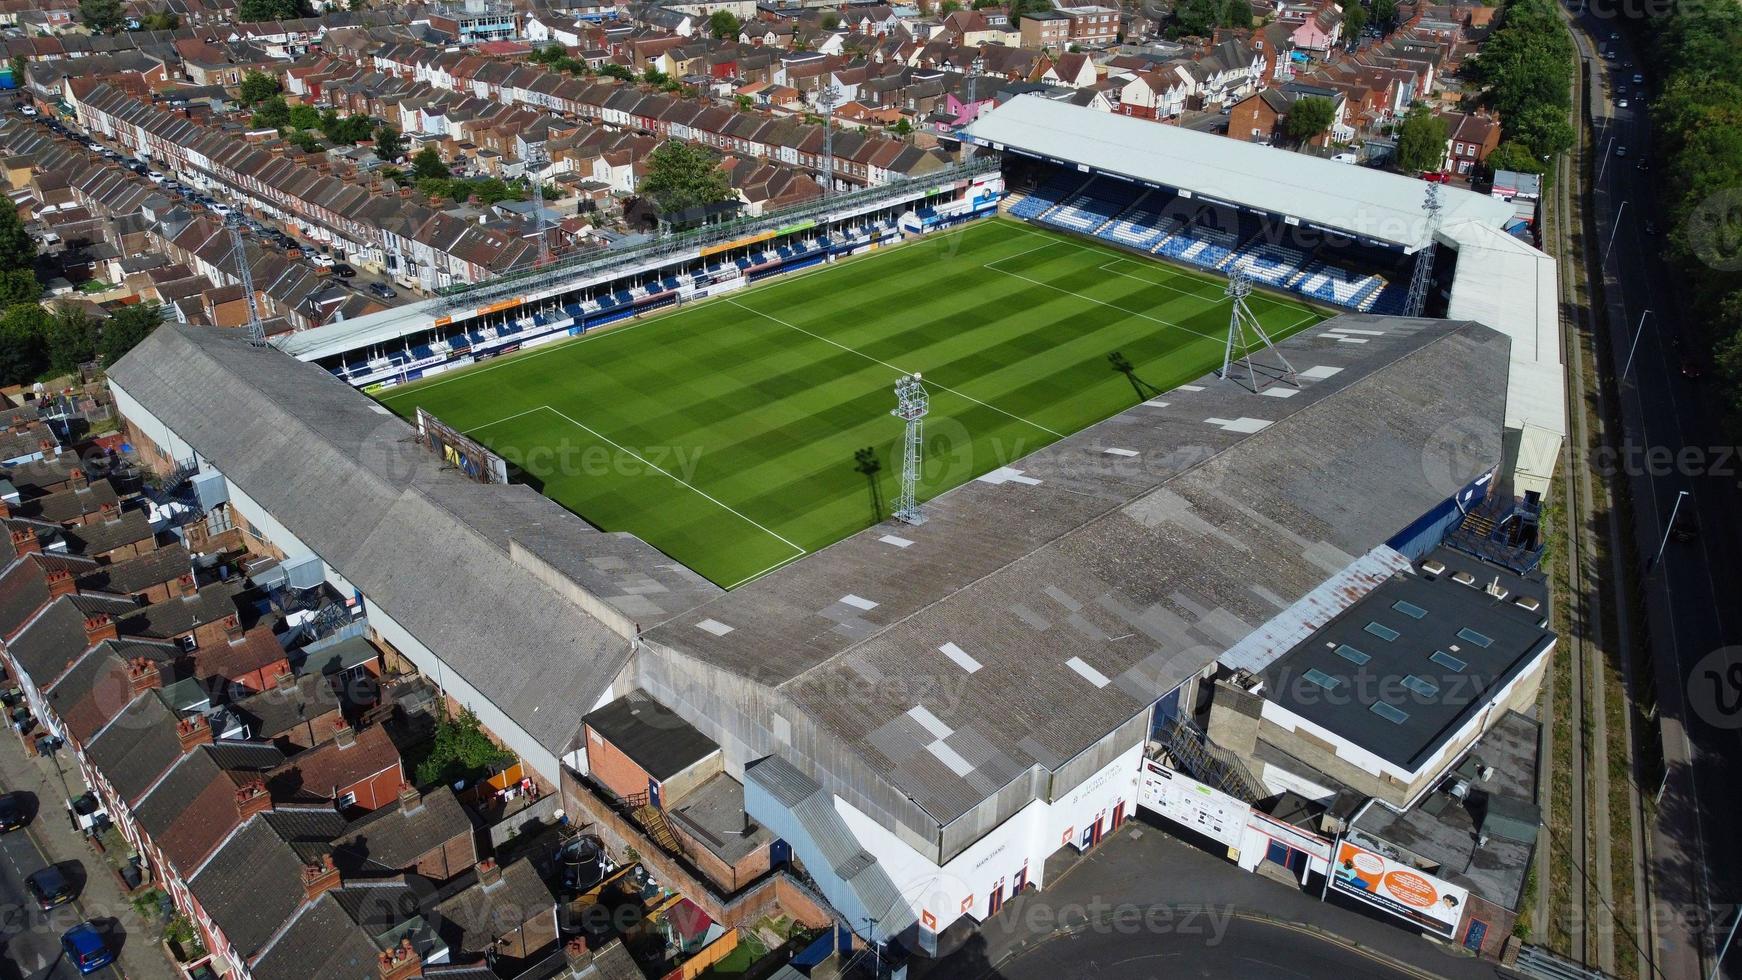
(1527, 603)
(1464, 578)
(1433, 568)
(1497, 590)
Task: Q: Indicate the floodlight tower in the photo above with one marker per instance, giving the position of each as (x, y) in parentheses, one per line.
(535, 163)
(1422, 280)
(239, 253)
(1246, 333)
(911, 403)
(827, 99)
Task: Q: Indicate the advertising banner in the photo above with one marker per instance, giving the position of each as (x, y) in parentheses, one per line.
(1415, 896)
(1199, 807)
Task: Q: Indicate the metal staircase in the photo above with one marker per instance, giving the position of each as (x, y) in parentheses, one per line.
(651, 820)
(1195, 755)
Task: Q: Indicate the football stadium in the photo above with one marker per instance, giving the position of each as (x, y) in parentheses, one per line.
(667, 506)
(726, 433)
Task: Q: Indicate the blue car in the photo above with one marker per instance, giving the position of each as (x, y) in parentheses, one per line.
(86, 949)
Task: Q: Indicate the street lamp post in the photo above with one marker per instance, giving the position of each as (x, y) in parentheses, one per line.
(1673, 511)
(1605, 164)
(1638, 332)
(1612, 230)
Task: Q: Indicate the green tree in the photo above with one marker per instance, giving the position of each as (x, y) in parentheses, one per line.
(1308, 117)
(272, 113)
(902, 127)
(101, 16)
(71, 339)
(612, 69)
(17, 248)
(249, 11)
(831, 20)
(126, 328)
(653, 76)
(23, 344)
(1354, 20)
(257, 86)
(1516, 157)
(428, 163)
(305, 117)
(1385, 13)
(1421, 141)
(161, 21)
(1019, 8)
(460, 750)
(389, 144)
(18, 286)
(681, 175)
(724, 24)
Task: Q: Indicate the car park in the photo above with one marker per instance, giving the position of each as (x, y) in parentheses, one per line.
(86, 948)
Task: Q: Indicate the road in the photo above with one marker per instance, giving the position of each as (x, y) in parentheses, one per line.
(32, 937)
(1248, 948)
(1672, 444)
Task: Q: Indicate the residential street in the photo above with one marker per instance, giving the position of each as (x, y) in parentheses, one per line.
(32, 938)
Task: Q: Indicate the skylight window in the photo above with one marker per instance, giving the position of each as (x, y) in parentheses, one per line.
(1322, 679)
(1382, 631)
(1352, 655)
(1389, 713)
(1469, 635)
(1409, 609)
(1421, 686)
(1447, 661)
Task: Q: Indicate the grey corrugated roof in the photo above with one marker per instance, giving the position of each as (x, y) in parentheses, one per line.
(290, 434)
(1379, 205)
(1113, 578)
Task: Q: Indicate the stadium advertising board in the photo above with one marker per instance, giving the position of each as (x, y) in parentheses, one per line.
(463, 454)
(1198, 807)
(1414, 896)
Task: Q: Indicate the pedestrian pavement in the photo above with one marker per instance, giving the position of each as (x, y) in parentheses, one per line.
(141, 954)
(1141, 872)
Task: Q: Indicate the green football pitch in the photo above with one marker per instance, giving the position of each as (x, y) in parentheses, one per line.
(729, 433)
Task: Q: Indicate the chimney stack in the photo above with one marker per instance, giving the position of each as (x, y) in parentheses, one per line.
(142, 676)
(409, 798)
(284, 681)
(344, 735)
(489, 872)
(185, 584)
(233, 627)
(318, 879)
(252, 798)
(401, 962)
(24, 542)
(99, 627)
(193, 731)
(60, 582)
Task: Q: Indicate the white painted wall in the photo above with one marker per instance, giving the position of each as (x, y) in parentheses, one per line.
(964, 885)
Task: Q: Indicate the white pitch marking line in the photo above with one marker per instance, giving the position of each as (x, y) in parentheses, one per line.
(756, 575)
(893, 367)
(1047, 244)
(748, 520)
(510, 418)
(1110, 268)
(1111, 306)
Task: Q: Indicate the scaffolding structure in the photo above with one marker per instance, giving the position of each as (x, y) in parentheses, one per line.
(1246, 335)
(535, 173)
(827, 100)
(911, 404)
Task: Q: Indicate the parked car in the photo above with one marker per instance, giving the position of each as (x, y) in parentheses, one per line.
(29, 110)
(1638, 78)
(1620, 103)
(1687, 522)
(1620, 151)
(323, 260)
(383, 290)
(85, 947)
(13, 815)
(219, 208)
(343, 271)
(155, 176)
(49, 887)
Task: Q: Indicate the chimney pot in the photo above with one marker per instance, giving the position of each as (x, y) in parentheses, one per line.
(60, 582)
(489, 872)
(344, 735)
(25, 543)
(192, 731)
(99, 627)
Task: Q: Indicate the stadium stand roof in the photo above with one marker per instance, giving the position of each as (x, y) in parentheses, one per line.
(1108, 567)
(490, 578)
(1374, 204)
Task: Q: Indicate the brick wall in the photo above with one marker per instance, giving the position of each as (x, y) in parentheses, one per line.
(611, 767)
